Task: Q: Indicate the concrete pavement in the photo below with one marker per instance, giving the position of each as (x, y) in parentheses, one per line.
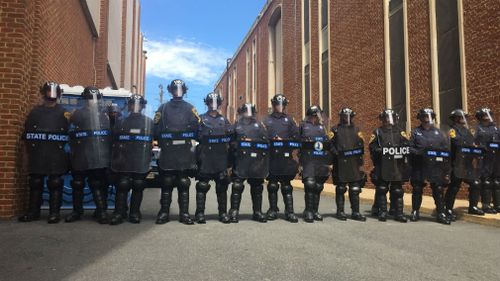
(278, 250)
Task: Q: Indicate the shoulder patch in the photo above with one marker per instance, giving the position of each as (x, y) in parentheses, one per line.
(452, 133)
(360, 135)
(372, 138)
(157, 117)
(330, 135)
(472, 131)
(67, 115)
(405, 135)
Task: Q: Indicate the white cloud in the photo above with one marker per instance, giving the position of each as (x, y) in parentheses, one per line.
(191, 61)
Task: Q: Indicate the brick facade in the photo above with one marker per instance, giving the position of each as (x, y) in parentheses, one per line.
(357, 57)
(41, 40)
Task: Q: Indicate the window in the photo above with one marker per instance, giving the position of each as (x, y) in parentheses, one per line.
(254, 70)
(306, 21)
(448, 54)
(247, 77)
(324, 58)
(275, 56)
(397, 60)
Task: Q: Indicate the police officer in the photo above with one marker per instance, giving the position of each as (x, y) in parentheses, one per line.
(488, 137)
(315, 160)
(348, 150)
(283, 133)
(214, 136)
(131, 158)
(466, 157)
(430, 162)
(176, 125)
(251, 161)
(46, 134)
(90, 140)
(389, 151)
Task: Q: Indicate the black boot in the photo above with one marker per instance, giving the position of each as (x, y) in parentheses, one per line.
(222, 206)
(135, 205)
(101, 214)
(165, 201)
(120, 202)
(392, 204)
(235, 207)
(200, 207)
(397, 197)
(272, 194)
(486, 194)
(382, 202)
(286, 191)
(35, 200)
(55, 201)
(317, 197)
(309, 209)
(496, 195)
(256, 192)
(415, 215)
(437, 193)
(340, 201)
(354, 199)
(77, 186)
(184, 216)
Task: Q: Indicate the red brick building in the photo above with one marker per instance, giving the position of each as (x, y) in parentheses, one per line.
(369, 54)
(74, 42)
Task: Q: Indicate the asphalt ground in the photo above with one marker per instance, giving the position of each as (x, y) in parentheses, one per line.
(277, 250)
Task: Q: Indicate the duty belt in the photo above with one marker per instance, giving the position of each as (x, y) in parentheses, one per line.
(52, 137)
(215, 140)
(139, 138)
(471, 150)
(353, 152)
(253, 144)
(88, 134)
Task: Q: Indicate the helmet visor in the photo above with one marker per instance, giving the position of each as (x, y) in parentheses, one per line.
(429, 116)
(213, 104)
(488, 114)
(137, 107)
(52, 91)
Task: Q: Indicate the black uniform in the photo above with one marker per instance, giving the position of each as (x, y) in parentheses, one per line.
(389, 152)
(348, 149)
(46, 135)
(466, 160)
(90, 140)
(315, 160)
(130, 160)
(214, 136)
(251, 162)
(176, 126)
(283, 166)
(488, 138)
(430, 154)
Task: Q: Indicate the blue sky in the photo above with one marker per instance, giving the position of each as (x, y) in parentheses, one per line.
(191, 40)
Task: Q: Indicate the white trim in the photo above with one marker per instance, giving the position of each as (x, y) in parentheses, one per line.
(303, 57)
(461, 42)
(387, 47)
(434, 60)
(407, 66)
(254, 69)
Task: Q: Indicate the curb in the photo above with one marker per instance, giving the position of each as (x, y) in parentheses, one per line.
(427, 208)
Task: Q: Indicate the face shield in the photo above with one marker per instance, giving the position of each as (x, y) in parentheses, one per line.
(279, 105)
(213, 105)
(52, 92)
(428, 113)
(488, 115)
(95, 98)
(136, 106)
(390, 118)
(248, 111)
(464, 118)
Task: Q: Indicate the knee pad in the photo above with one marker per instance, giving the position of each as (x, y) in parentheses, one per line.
(487, 184)
(286, 188)
(309, 184)
(438, 188)
(496, 184)
(167, 181)
(272, 186)
(417, 188)
(382, 188)
(355, 189)
(78, 183)
(238, 186)
(254, 182)
(55, 183)
(123, 183)
(256, 188)
(475, 184)
(319, 187)
(36, 182)
(183, 183)
(202, 186)
(398, 192)
(341, 189)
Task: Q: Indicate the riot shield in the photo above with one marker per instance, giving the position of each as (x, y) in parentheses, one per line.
(213, 154)
(284, 157)
(494, 149)
(90, 137)
(395, 163)
(466, 162)
(177, 151)
(132, 144)
(349, 165)
(251, 159)
(436, 166)
(315, 158)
